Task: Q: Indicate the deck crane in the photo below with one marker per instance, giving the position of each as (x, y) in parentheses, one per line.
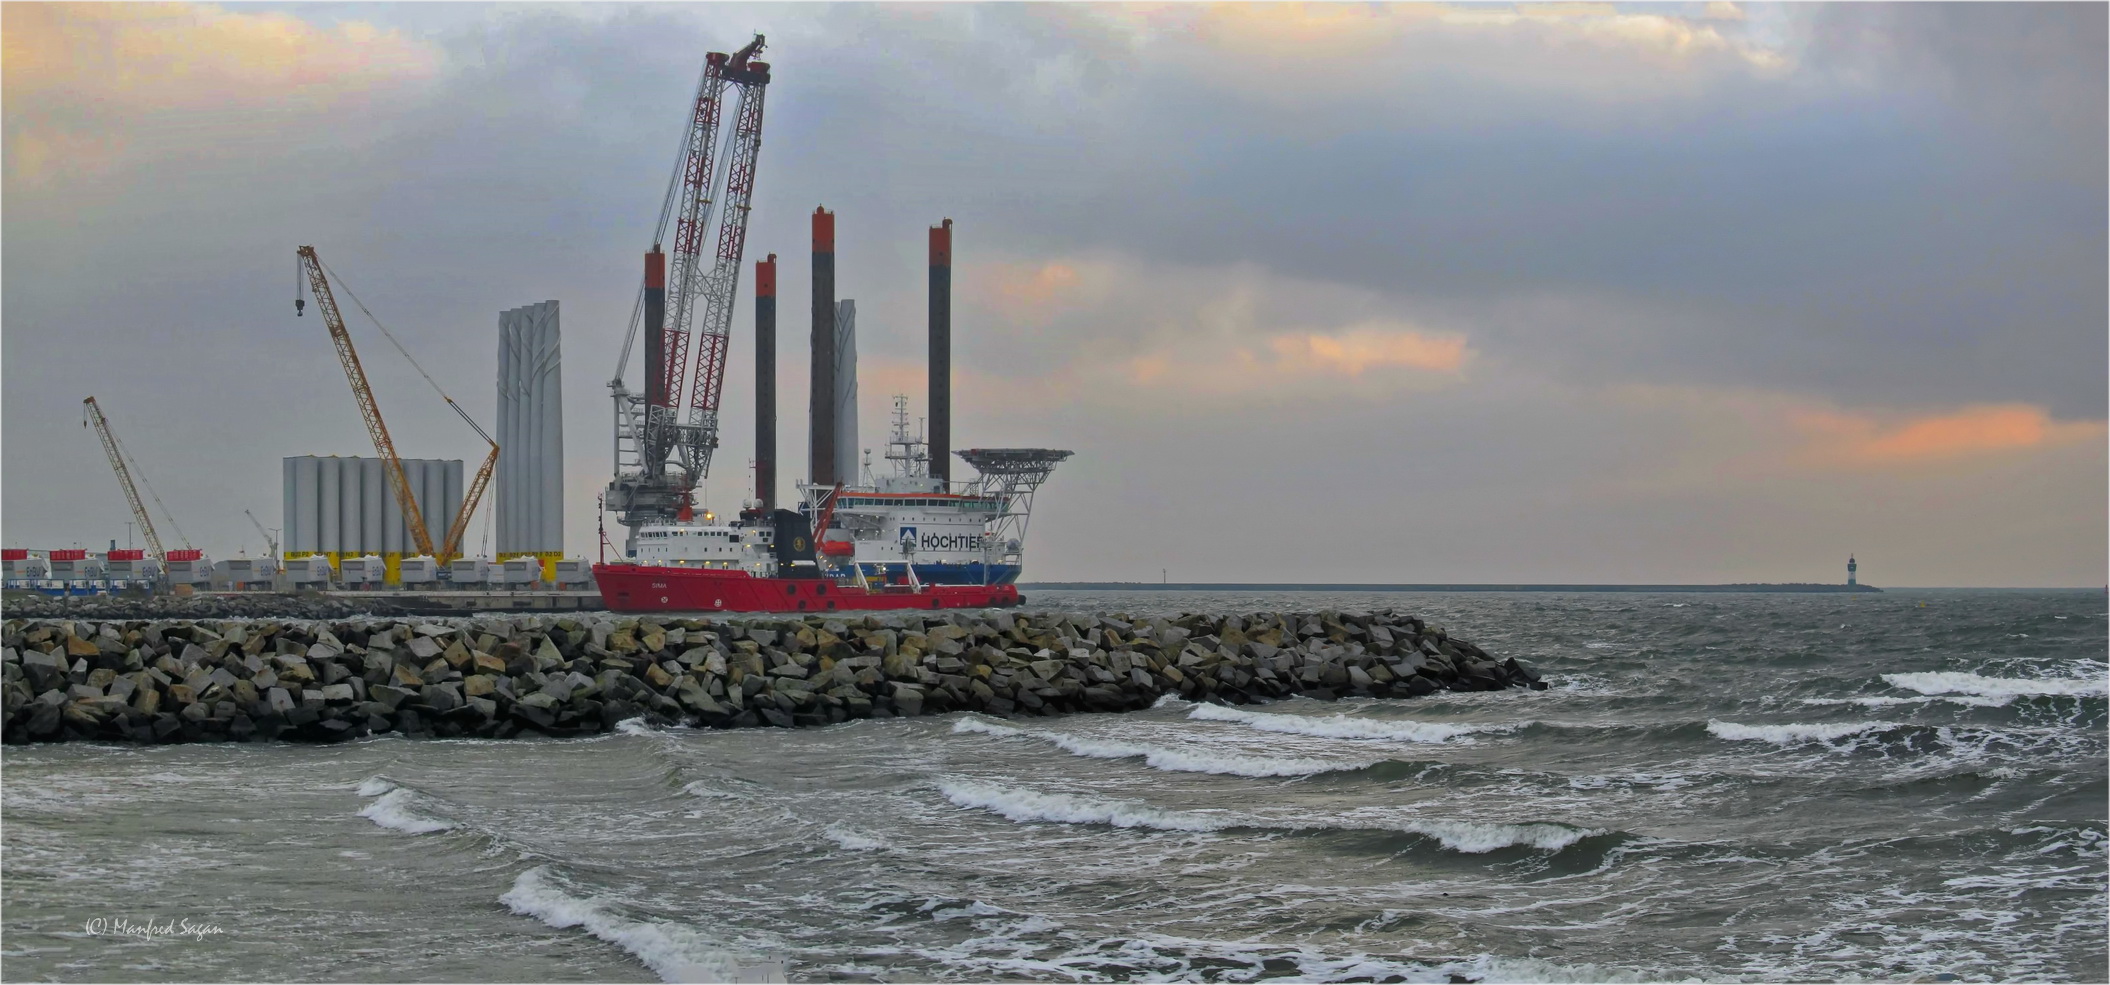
(385, 446)
(94, 412)
(663, 438)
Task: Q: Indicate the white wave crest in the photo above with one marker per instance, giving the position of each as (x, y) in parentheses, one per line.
(1995, 691)
(967, 726)
(674, 952)
(1020, 804)
(394, 811)
(633, 726)
(1877, 702)
(375, 786)
(1026, 806)
(1791, 733)
(852, 839)
(1476, 838)
(1170, 760)
(1334, 726)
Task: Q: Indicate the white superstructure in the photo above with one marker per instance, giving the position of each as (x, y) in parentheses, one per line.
(907, 527)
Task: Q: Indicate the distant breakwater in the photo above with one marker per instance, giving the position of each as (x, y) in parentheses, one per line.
(1792, 588)
(289, 605)
(221, 605)
(504, 676)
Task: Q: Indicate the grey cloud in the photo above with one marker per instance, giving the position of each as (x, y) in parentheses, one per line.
(1862, 242)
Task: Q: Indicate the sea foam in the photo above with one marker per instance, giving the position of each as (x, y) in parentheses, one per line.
(1019, 804)
(1171, 760)
(852, 839)
(1333, 726)
(1027, 806)
(1791, 733)
(1998, 690)
(395, 811)
(675, 953)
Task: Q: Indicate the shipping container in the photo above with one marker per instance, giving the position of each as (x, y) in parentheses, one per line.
(469, 572)
(574, 572)
(188, 571)
(308, 571)
(421, 569)
(520, 572)
(242, 574)
(366, 572)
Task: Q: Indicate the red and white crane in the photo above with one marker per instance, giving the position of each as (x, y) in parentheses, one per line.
(664, 437)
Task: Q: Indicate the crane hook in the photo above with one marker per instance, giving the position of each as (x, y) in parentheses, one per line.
(299, 305)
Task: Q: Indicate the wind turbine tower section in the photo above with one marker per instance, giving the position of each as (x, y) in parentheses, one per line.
(531, 436)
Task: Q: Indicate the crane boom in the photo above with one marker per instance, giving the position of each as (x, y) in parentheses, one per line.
(660, 457)
(363, 395)
(694, 186)
(124, 477)
(453, 547)
(270, 542)
(721, 286)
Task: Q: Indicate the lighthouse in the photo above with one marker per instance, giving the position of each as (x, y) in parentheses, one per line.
(1851, 567)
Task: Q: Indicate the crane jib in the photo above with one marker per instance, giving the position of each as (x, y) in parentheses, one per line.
(124, 478)
(363, 396)
(701, 284)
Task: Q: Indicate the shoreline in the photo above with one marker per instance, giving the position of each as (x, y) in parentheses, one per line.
(1147, 586)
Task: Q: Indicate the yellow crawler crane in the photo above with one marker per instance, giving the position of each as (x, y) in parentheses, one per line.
(363, 395)
(384, 446)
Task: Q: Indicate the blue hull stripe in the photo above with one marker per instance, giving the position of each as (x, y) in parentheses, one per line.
(963, 573)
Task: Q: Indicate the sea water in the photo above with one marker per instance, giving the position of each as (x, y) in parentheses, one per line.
(1894, 787)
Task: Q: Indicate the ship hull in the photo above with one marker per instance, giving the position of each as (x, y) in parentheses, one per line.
(951, 572)
(968, 573)
(656, 588)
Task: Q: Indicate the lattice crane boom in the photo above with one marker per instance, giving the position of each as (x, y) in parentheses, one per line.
(721, 287)
(124, 477)
(460, 526)
(690, 220)
(664, 439)
(270, 542)
(363, 395)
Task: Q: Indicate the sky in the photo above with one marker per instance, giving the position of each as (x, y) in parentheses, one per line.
(1650, 293)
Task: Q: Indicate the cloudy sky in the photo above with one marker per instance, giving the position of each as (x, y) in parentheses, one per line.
(1662, 293)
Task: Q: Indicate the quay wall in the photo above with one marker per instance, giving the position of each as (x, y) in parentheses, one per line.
(500, 676)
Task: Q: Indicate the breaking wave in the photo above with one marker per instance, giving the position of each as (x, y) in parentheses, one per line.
(1173, 760)
(1996, 690)
(674, 952)
(1793, 734)
(852, 839)
(396, 809)
(1029, 806)
(1335, 726)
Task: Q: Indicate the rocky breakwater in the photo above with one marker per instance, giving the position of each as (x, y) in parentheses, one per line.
(497, 676)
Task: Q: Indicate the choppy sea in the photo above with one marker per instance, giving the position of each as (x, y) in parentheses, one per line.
(1899, 787)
